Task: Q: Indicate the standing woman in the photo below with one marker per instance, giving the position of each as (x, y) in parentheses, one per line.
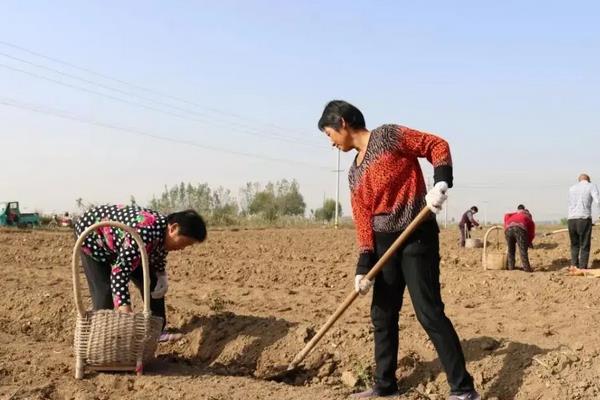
(387, 192)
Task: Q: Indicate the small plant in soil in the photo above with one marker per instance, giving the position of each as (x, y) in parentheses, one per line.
(216, 303)
(364, 373)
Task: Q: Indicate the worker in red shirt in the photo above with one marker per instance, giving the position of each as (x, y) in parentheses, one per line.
(519, 230)
(387, 192)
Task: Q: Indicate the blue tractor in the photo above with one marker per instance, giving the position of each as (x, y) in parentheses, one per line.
(11, 215)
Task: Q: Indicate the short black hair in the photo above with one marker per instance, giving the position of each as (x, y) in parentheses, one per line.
(336, 110)
(474, 209)
(521, 207)
(190, 224)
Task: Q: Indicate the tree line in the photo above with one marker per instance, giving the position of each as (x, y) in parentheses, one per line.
(271, 202)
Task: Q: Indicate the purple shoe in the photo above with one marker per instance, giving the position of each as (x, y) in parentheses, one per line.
(371, 394)
(472, 395)
(169, 337)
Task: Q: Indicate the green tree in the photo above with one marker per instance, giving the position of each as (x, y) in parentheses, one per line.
(224, 208)
(200, 198)
(289, 199)
(264, 203)
(247, 194)
(282, 198)
(182, 197)
(327, 212)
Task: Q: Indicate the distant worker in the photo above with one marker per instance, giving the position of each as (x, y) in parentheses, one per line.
(519, 230)
(65, 220)
(467, 222)
(581, 197)
(12, 218)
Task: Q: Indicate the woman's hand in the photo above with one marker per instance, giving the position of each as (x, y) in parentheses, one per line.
(126, 308)
(436, 197)
(162, 286)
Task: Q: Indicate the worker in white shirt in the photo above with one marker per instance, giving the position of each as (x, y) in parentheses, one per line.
(581, 197)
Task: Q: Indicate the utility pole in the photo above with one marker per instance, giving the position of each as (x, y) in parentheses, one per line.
(337, 190)
(446, 215)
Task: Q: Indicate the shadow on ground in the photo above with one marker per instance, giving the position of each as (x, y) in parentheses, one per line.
(506, 382)
(230, 344)
(546, 245)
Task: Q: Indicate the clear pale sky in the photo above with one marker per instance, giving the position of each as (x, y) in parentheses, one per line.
(513, 86)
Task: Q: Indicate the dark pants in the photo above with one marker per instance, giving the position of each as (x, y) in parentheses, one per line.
(465, 232)
(516, 236)
(580, 233)
(416, 266)
(98, 278)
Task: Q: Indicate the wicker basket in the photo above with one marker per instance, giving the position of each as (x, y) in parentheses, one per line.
(496, 259)
(108, 340)
(471, 243)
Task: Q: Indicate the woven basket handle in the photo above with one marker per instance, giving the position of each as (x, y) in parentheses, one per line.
(493, 228)
(76, 258)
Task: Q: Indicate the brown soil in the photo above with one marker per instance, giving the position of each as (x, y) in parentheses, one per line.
(248, 300)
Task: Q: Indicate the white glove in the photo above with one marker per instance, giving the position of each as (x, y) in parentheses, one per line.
(162, 285)
(436, 197)
(361, 285)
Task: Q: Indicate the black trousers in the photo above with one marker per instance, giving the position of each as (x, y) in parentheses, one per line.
(98, 278)
(414, 266)
(580, 233)
(465, 232)
(516, 236)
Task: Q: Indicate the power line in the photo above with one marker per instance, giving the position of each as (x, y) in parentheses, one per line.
(508, 184)
(145, 89)
(145, 106)
(244, 128)
(65, 115)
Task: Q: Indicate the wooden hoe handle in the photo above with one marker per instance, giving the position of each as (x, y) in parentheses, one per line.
(424, 214)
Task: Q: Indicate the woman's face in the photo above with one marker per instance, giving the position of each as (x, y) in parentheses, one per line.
(339, 138)
(175, 241)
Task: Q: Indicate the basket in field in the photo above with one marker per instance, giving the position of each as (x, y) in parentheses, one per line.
(495, 259)
(109, 340)
(471, 243)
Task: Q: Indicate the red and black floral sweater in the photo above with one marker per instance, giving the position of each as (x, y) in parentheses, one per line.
(387, 188)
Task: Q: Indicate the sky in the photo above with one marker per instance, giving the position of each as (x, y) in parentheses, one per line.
(103, 100)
